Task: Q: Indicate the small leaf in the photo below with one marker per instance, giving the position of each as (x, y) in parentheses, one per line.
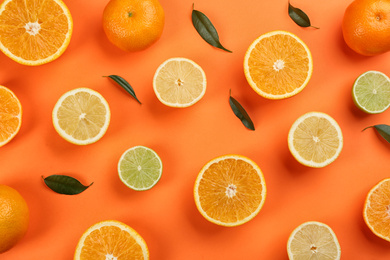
(240, 112)
(124, 84)
(63, 184)
(299, 17)
(383, 130)
(206, 29)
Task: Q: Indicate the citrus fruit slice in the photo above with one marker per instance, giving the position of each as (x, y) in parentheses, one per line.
(140, 168)
(315, 139)
(376, 211)
(278, 65)
(81, 116)
(10, 115)
(371, 92)
(179, 82)
(111, 239)
(230, 190)
(313, 240)
(14, 217)
(34, 32)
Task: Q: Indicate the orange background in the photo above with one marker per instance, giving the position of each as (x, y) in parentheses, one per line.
(185, 139)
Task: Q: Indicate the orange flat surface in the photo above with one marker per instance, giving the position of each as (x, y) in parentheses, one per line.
(166, 216)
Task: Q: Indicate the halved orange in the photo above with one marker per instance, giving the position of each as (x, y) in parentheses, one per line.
(376, 212)
(230, 190)
(10, 115)
(109, 240)
(34, 32)
(278, 65)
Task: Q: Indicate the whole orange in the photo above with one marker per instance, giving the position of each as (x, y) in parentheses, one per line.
(366, 26)
(133, 25)
(14, 217)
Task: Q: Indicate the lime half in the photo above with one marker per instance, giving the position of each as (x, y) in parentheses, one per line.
(140, 168)
(371, 92)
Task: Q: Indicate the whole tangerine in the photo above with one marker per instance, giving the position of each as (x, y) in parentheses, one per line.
(133, 25)
(366, 26)
(14, 217)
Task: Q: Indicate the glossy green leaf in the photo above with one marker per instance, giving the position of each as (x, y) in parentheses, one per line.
(240, 112)
(124, 84)
(206, 29)
(64, 184)
(299, 17)
(383, 130)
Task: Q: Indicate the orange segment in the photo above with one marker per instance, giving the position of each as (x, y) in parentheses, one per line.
(34, 32)
(376, 211)
(278, 65)
(10, 115)
(230, 190)
(111, 239)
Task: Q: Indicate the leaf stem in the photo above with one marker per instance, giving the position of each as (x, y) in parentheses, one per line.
(367, 128)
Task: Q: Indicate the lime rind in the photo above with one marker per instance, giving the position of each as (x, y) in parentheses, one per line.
(371, 92)
(140, 168)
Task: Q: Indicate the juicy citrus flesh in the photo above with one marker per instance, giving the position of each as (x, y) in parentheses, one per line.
(313, 240)
(366, 26)
(376, 211)
(230, 190)
(109, 240)
(14, 217)
(81, 116)
(34, 32)
(371, 92)
(179, 82)
(140, 168)
(278, 65)
(315, 139)
(10, 115)
(133, 25)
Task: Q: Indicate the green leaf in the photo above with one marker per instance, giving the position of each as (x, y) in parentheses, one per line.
(240, 112)
(124, 84)
(299, 17)
(206, 29)
(63, 184)
(383, 130)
